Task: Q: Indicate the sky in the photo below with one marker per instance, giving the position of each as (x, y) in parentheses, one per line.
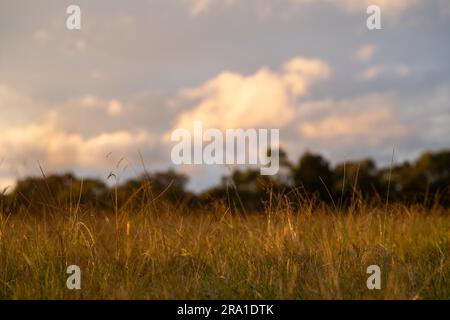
(107, 97)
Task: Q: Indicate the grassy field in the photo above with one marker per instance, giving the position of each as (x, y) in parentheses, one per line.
(315, 253)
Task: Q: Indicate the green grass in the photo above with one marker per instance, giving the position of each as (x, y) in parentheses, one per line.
(310, 254)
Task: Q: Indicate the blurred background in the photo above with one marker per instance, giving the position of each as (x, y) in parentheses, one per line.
(104, 99)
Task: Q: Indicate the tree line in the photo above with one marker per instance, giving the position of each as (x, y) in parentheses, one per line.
(312, 178)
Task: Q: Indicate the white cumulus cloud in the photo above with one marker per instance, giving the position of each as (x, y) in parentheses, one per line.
(264, 99)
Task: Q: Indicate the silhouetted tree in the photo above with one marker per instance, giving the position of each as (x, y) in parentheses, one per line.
(426, 181)
(314, 175)
(422, 180)
(354, 179)
(148, 188)
(56, 191)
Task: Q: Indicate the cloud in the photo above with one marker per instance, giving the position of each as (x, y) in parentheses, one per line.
(41, 35)
(52, 135)
(375, 72)
(387, 6)
(365, 53)
(390, 7)
(198, 7)
(263, 99)
(371, 73)
(112, 107)
(72, 47)
(367, 118)
(58, 149)
(349, 127)
(11, 101)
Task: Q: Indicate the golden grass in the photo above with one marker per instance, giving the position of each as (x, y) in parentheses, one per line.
(310, 254)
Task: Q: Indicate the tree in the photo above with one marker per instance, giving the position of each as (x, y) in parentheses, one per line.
(358, 177)
(169, 186)
(314, 175)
